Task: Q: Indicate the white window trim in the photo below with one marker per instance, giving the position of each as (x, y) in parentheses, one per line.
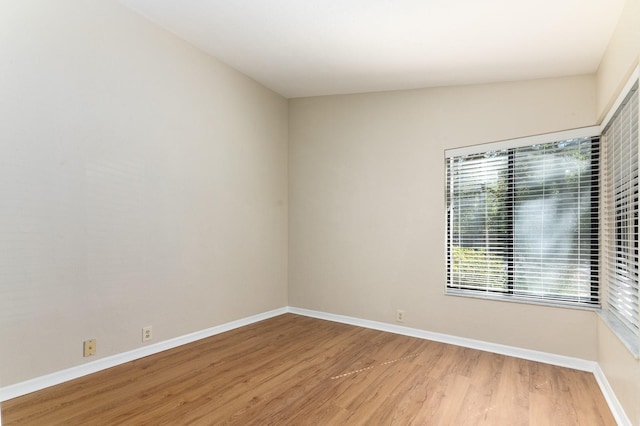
(635, 76)
(581, 132)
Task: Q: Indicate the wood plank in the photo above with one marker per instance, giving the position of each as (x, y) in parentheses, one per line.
(297, 370)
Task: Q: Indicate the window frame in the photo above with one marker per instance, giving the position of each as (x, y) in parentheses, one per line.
(629, 338)
(510, 295)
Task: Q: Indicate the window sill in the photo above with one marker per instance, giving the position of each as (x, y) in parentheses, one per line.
(628, 339)
(528, 301)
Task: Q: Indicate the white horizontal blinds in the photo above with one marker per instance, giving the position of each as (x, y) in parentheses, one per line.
(479, 240)
(523, 221)
(620, 141)
(555, 221)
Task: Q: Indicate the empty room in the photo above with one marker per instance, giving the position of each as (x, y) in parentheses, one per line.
(411, 212)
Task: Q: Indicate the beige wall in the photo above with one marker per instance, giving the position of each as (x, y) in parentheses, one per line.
(366, 218)
(620, 367)
(143, 183)
(620, 58)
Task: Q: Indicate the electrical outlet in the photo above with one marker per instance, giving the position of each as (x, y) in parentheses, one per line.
(89, 347)
(400, 315)
(147, 333)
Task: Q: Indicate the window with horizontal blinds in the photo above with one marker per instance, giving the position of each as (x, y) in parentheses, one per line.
(620, 204)
(522, 222)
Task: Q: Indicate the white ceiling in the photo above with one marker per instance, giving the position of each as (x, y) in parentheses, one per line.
(319, 47)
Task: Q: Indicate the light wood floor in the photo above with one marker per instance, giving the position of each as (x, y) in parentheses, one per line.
(294, 370)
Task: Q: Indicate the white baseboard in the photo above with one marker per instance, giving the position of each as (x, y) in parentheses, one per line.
(38, 383)
(538, 356)
(547, 358)
(610, 396)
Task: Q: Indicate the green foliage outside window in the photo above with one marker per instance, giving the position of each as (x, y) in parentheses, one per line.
(475, 265)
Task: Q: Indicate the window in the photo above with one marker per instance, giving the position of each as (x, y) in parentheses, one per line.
(620, 207)
(522, 220)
